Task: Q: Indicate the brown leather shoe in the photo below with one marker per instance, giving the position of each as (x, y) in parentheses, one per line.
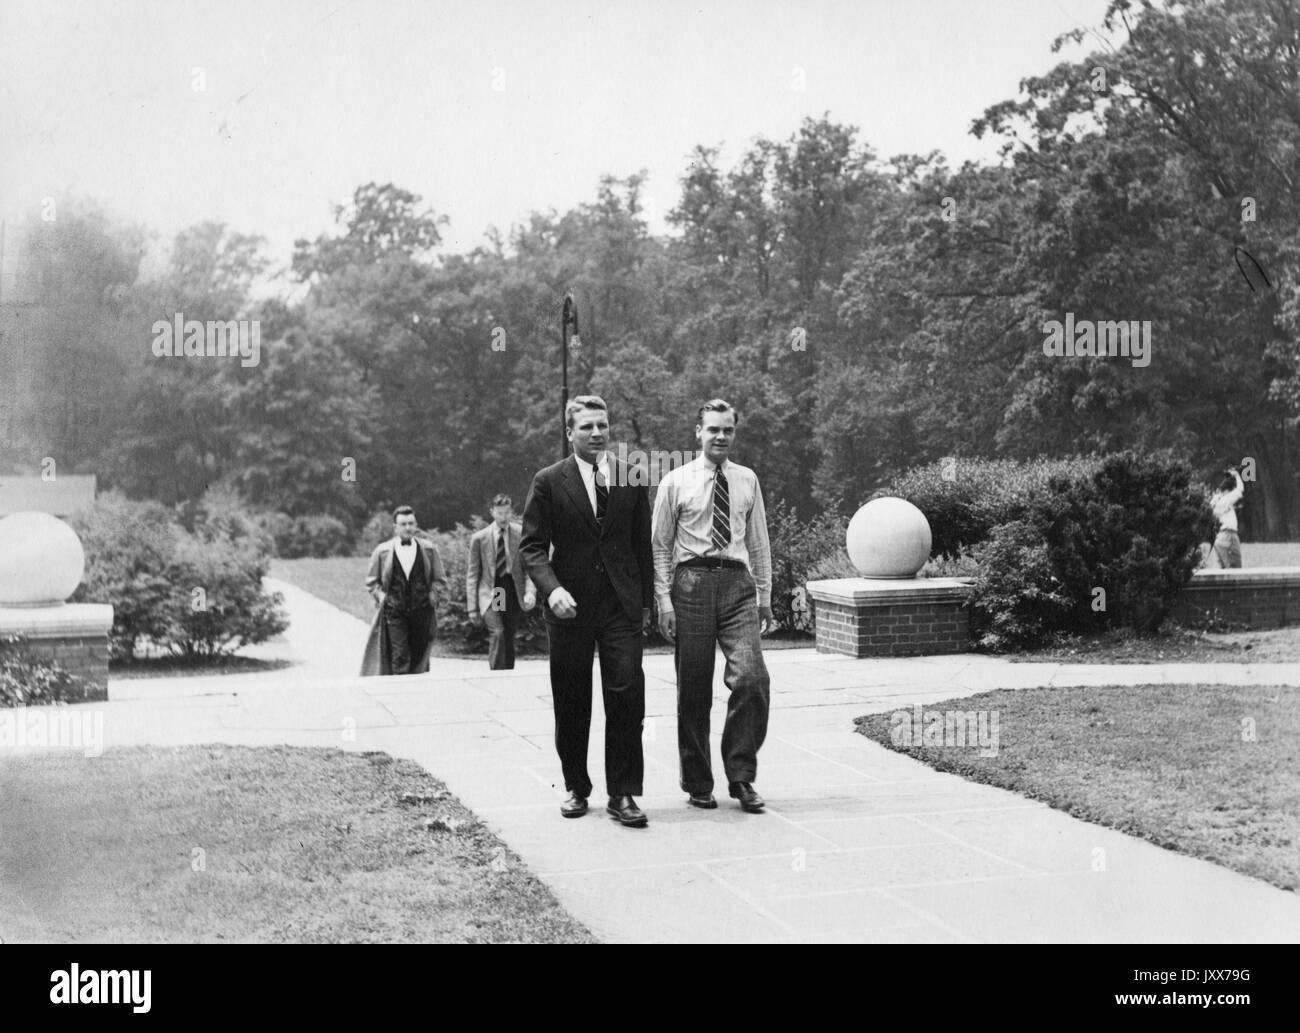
(749, 800)
(704, 801)
(574, 806)
(625, 811)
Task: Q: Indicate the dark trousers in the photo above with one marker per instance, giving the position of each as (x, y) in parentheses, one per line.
(501, 625)
(408, 637)
(622, 685)
(718, 606)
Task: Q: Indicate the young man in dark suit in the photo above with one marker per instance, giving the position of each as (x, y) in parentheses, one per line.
(597, 584)
(497, 590)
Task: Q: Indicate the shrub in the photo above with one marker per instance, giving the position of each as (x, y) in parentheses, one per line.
(378, 528)
(978, 494)
(222, 515)
(147, 566)
(1017, 600)
(128, 547)
(28, 681)
(317, 536)
(800, 553)
(1130, 528)
(233, 610)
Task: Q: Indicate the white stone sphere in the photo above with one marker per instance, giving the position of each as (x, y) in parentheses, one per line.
(41, 560)
(888, 538)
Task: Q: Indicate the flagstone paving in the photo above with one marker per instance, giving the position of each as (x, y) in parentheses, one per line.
(858, 843)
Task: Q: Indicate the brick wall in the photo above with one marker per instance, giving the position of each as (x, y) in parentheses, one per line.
(87, 658)
(1255, 606)
(904, 629)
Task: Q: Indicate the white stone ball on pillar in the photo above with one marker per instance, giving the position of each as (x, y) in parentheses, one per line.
(888, 538)
(41, 560)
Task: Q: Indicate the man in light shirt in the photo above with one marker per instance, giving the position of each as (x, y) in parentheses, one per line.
(713, 584)
(1227, 543)
(586, 545)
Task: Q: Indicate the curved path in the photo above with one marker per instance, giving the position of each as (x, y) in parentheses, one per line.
(859, 843)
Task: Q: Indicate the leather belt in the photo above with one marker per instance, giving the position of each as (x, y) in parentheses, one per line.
(712, 563)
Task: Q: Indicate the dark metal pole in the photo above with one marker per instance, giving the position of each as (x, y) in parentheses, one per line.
(568, 317)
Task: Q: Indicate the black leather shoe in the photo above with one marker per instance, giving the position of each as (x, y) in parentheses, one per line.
(574, 806)
(626, 812)
(702, 800)
(749, 800)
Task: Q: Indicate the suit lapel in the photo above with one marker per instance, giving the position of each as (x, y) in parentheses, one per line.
(577, 490)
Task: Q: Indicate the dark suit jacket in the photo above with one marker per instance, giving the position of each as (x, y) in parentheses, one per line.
(558, 514)
(480, 574)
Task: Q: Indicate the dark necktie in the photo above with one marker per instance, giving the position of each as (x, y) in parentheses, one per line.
(602, 497)
(721, 512)
(503, 568)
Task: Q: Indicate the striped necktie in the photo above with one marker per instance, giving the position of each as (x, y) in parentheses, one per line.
(503, 568)
(602, 497)
(721, 512)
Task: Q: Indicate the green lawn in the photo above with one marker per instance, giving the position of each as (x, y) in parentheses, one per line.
(279, 844)
(339, 580)
(1170, 645)
(1270, 554)
(1167, 763)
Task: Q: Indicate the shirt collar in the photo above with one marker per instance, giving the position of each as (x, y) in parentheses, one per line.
(584, 466)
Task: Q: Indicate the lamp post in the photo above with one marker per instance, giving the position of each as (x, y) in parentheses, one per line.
(568, 317)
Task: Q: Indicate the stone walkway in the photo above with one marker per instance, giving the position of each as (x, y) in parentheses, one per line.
(858, 843)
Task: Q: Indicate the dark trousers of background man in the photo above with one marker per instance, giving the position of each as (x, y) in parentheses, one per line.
(623, 687)
(408, 635)
(718, 606)
(502, 624)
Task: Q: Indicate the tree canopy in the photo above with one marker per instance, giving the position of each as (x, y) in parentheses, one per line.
(864, 314)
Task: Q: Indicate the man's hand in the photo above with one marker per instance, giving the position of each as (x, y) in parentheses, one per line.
(562, 604)
(766, 622)
(530, 600)
(379, 598)
(668, 625)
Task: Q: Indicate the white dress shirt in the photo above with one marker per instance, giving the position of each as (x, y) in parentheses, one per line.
(682, 527)
(588, 472)
(405, 555)
(1224, 506)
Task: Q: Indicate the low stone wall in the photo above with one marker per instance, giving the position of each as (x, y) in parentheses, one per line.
(1250, 597)
(73, 634)
(861, 617)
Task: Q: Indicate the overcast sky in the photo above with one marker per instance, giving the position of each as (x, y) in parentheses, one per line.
(489, 110)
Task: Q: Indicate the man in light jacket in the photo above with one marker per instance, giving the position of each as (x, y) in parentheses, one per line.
(497, 589)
